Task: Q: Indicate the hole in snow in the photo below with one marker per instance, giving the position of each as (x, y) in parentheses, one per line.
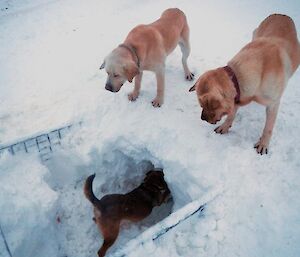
(118, 170)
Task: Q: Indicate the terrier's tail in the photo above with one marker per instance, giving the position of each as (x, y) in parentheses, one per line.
(88, 190)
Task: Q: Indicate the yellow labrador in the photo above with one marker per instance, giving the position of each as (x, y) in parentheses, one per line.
(146, 48)
(259, 72)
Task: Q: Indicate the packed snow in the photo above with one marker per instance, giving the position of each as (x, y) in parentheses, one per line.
(50, 52)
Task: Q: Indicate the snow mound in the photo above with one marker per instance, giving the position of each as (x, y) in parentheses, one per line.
(27, 207)
(119, 168)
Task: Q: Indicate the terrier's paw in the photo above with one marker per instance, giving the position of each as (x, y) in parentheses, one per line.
(262, 146)
(157, 102)
(190, 76)
(223, 129)
(133, 96)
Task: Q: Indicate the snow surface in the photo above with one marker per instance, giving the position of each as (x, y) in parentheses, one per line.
(50, 52)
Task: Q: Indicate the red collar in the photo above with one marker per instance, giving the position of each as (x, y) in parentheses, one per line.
(235, 82)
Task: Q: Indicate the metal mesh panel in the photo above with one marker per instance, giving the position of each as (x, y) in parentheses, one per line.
(44, 144)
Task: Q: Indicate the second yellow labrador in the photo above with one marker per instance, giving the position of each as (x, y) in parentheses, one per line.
(146, 48)
(259, 72)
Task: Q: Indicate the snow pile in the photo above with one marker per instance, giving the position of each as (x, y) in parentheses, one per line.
(50, 56)
(27, 208)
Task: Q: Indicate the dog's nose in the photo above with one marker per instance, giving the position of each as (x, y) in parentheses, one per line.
(109, 87)
(203, 116)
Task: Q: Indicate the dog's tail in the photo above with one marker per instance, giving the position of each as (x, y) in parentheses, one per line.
(88, 190)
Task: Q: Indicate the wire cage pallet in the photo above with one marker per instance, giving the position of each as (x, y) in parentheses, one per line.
(44, 144)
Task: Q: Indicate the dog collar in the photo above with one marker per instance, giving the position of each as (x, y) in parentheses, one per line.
(132, 50)
(235, 82)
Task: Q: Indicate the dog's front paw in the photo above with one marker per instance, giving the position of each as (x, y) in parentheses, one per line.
(262, 146)
(223, 129)
(190, 76)
(157, 101)
(133, 96)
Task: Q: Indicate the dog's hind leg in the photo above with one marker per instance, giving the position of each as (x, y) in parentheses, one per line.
(110, 231)
(184, 44)
(263, 143)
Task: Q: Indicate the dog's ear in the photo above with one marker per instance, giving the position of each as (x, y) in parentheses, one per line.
(192, 88)
(130, 71)
(102, 66)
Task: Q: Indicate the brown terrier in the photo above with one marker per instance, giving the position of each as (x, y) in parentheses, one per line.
(134, 206)
(259, 72)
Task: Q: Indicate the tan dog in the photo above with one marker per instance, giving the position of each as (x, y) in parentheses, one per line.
(146, 48)
(134, 206)
(259, 72)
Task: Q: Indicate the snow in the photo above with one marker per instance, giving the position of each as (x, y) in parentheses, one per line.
(50, 54)
(27, 207)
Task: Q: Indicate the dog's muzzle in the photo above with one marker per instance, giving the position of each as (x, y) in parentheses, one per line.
(109, 87)
(204, 117)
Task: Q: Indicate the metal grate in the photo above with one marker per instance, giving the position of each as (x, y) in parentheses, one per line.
(44, 144)
(160, 231)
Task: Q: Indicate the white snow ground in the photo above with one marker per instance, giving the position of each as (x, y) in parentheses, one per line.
(50, 52)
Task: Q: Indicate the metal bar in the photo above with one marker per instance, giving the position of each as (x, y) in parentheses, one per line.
(25, 146)
(201, 208)
(12, 149)
(5, 242)
(37, 143)
(49, 143)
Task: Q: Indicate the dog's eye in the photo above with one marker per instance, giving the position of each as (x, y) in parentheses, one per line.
(116, 75)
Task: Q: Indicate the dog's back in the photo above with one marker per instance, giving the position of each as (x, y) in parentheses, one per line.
(170, 25)
(132, 206)
(166, 31)
(281, 29)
